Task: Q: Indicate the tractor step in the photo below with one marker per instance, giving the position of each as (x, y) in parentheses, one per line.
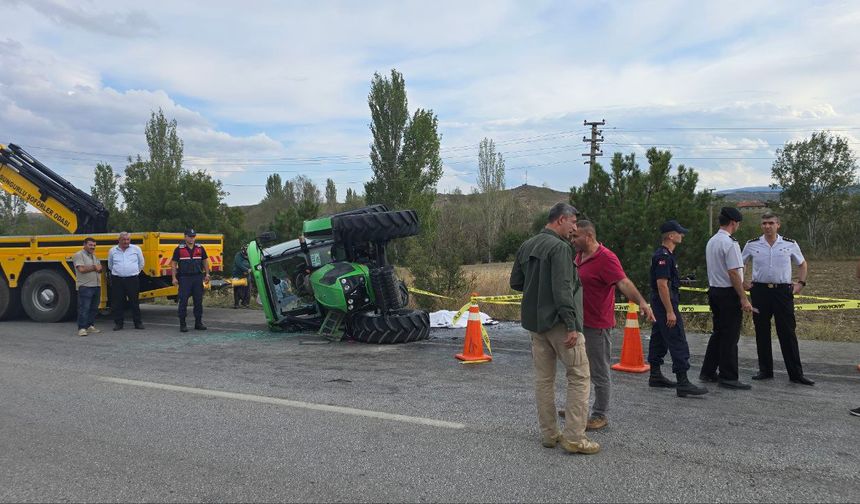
(330, 328)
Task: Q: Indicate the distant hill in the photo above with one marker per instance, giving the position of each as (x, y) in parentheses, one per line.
(762, 193)
(533, 198)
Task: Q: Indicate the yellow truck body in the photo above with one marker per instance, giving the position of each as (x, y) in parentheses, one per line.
(37, 277)
(41, 296)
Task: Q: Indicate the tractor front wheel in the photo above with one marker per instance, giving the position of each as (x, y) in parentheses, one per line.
(398, 326)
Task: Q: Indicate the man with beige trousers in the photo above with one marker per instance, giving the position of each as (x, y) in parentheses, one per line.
(551, 311)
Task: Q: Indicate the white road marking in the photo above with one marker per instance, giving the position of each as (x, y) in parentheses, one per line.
(285, 402)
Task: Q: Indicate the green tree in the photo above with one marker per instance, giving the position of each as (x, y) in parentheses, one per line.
(274, 188)
(161, 195)
(628, 205)
(352, 200)
(814, 175)
(491, 184)
(404, 155)
(330, 196)
(152, 188)
(303, 203)
(106, 190)
(106, 187)
(12, 213)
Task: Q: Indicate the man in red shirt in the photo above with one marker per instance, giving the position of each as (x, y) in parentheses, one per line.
(600, 272)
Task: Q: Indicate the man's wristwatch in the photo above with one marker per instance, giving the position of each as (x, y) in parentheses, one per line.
(802, 282)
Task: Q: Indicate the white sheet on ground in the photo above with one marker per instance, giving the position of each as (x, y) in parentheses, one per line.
(444, 318)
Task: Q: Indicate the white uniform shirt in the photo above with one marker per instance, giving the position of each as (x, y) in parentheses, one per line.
(723, 254)
(125, 263)
(772, 264)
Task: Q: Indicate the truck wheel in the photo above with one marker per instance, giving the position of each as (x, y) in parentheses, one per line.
(10, 300)
(47, 297)
(399, 326)
(378, 226)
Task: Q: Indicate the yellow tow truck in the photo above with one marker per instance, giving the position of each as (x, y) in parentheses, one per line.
(36, 272)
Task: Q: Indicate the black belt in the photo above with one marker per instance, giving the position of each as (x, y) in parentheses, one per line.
(721, 288)
(772, 285)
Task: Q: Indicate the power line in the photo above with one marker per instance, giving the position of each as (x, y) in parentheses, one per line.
(594, 141)
(738, 128)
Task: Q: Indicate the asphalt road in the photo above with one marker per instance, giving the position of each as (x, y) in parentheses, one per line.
(237, 413)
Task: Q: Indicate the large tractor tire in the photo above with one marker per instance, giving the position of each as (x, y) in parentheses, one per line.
(375, 227)
(363, 210)
(48, 297)
(386, 288)
(400, 326)
(10, 300)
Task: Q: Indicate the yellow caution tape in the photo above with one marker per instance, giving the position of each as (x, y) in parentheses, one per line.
(804, 296)
(694, 289)
(460, 313)
(514, 299)
(427, 293)
(842, 305)
(486, 338)
(496, 299)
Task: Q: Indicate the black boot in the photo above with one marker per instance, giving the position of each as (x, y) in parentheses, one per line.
(686, 388)
(182, 326)
(198, 324)
(658, 380)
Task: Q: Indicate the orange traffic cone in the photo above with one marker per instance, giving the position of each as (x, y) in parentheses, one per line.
(631, 348)
(473, 346)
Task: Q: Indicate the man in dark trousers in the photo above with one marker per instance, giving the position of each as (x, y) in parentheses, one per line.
(190, 270)
(728, 301)
(772, 293)
(125, 262)
(667, 333)
(241, 268)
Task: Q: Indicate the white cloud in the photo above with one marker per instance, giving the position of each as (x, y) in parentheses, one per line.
(283, 86)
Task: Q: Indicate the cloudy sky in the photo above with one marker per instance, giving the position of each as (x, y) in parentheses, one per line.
(262, 87)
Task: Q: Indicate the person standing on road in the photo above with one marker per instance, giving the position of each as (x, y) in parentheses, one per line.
(728, 301)
(667, 333)
(190, 270)
(551, 310)
(600, 272)
(88, 281)
(241, 269)
(125, 262)
(772, 293)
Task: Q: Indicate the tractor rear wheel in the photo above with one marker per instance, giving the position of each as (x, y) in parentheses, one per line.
(375, 227)
(399, 326)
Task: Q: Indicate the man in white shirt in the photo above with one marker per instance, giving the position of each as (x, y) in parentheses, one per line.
(772, 293)
(728, 301)
(125, 262)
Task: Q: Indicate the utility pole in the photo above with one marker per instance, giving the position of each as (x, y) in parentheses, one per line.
(596, 138)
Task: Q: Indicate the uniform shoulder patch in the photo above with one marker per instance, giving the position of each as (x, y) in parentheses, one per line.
(789, 240)
(733, 238)
(754, 239)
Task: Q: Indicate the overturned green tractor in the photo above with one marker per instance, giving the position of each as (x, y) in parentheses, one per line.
(336, 279)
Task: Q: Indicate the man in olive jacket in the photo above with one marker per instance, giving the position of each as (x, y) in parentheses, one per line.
(551, 311)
